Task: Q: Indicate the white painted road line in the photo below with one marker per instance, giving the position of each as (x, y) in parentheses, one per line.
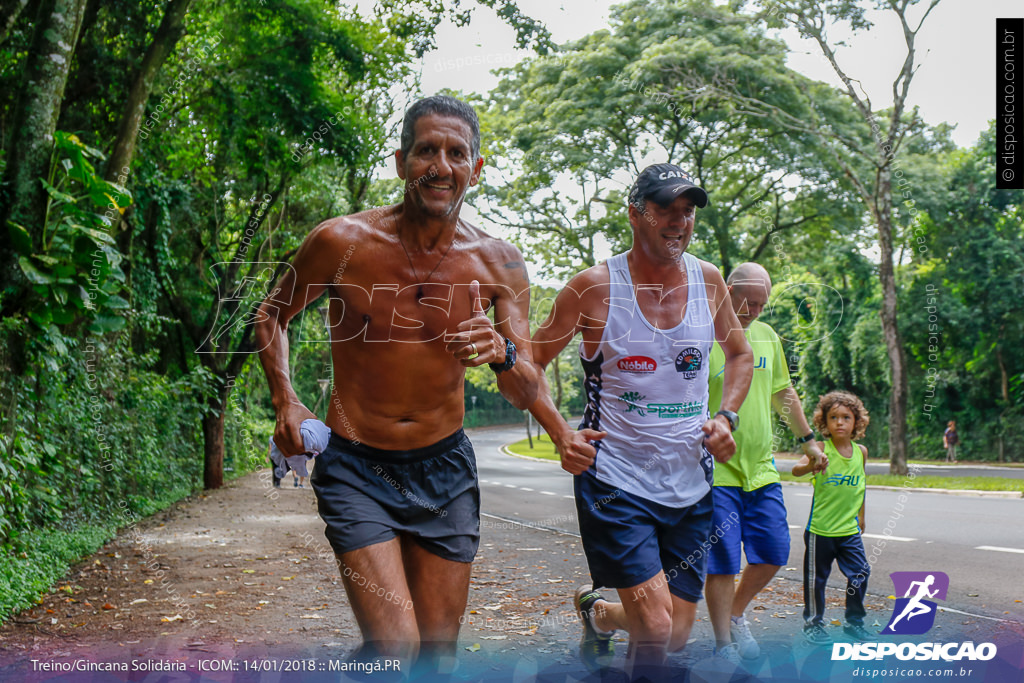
(882, 537)
(998, 549)
(548, 493)
(523, 488)
(511, 486)
(570, 497)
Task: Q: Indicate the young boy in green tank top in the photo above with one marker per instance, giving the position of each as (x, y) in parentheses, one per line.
(836, 521)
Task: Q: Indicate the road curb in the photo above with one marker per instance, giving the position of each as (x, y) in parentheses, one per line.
(948, 492)
(504, 449)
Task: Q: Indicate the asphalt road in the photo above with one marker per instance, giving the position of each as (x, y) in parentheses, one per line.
(977, 541)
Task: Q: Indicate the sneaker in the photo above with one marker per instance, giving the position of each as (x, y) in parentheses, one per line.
(730, 653)
(596, 649)
(815, 634)
(745, 643)
(295, 483)
(857, 632)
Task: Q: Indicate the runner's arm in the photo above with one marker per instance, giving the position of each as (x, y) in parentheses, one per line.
(563, 323)
(739, 364)
(302, 284)
(520, 385)
(802, 467)
(787, 404)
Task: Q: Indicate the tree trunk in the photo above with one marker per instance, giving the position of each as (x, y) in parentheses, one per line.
(213, 446)
(890, 329)
(529, 424)
(172, 27)
(22, 197)
(9, 17)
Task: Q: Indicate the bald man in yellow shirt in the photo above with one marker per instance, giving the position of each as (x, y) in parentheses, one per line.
(747, 487)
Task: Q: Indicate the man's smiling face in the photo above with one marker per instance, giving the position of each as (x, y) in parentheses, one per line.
(439, 168)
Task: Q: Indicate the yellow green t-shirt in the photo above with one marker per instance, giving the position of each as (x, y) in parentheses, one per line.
(753, 465)
(838, 494)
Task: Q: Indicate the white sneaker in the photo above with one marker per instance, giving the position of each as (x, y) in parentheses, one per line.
(729, 653)
(745, 643)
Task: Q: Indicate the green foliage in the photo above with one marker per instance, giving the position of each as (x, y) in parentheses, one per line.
(46, 557)
(96, 431)
(962, 310)
(567, 132)
(75, 267)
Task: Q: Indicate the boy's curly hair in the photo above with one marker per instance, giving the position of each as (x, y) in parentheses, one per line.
(861, 419)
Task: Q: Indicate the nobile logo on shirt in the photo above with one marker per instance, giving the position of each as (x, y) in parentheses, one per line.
(914, 613)
(640, 365)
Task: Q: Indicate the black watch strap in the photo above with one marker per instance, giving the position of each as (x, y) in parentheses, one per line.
(510, 358)
(733, 418)
(805, 439)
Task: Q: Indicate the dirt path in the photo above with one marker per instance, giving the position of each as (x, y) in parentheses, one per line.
(244, 574)
(245, 571)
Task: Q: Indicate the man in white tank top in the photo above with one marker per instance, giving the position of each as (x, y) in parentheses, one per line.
(643, 455)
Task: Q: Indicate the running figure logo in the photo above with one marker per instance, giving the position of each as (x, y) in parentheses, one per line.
(913, 613)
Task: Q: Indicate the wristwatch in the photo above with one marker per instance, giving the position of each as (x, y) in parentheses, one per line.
(805, 439)
(510, 358)
(733, 418)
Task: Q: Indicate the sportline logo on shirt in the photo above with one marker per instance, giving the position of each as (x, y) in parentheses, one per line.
(635, 401)
(914, 615)
(640, 365)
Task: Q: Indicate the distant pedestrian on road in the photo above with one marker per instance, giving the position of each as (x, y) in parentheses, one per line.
(643, 455)
(836, 523)
(950, 439)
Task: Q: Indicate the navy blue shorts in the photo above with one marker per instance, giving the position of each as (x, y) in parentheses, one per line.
(757, 519)
(368, 495)
(628, 539)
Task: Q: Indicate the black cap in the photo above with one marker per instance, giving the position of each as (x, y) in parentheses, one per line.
(663, 183)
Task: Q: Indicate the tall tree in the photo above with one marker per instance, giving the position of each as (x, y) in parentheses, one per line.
(573, 128)
(22, 195)
(866, 161)
(167, 35)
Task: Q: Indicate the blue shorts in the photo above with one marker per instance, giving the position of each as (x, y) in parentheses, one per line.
(758, 519)
(628, 539)
(368, 495)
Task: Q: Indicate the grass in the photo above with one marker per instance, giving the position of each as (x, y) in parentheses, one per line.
(543, 448)
(923, 481)
(44, 556)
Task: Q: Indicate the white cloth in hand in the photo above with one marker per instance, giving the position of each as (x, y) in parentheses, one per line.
(315, 436)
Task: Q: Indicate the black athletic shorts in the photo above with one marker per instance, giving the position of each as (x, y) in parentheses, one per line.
(367, 495)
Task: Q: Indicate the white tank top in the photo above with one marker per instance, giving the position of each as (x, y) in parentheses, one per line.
(648, 388)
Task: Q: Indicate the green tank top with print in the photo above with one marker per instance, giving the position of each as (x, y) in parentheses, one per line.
(838, 494)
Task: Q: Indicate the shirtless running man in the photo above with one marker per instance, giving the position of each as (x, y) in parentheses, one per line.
(409, 285)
